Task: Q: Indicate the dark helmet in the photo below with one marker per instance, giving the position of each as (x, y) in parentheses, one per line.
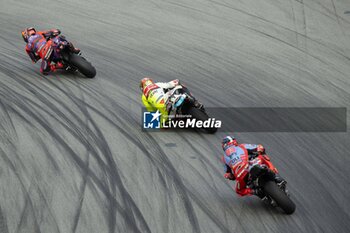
(26, 33)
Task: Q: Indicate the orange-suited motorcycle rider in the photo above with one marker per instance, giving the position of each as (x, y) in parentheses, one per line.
(237, 164)
(39, 46)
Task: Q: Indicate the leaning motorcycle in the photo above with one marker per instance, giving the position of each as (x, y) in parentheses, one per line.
(72, 62)
(181, 103)
(262, 180)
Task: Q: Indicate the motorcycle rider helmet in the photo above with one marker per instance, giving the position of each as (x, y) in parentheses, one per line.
(228, 141)
(26, 33)
(145, 82)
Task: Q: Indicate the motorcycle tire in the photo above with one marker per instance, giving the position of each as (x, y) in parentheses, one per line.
(82, 65)
(201, 115)
(281, 198)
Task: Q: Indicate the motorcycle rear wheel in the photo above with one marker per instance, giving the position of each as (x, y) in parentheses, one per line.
(281, 198)
(82, 65)
(201, 115)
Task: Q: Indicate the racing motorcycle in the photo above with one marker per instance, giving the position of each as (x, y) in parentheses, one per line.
(72, 62)
(262, 180)
(181, 105)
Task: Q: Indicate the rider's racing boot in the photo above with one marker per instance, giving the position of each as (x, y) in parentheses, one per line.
(74, 49)
(280, 181)
(229, 176)
(259, 193)
(198, 104)
(58, 65)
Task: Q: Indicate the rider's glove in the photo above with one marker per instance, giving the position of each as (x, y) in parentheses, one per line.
(55, 32)
(175, 82)
(260, 149)
(51, 34)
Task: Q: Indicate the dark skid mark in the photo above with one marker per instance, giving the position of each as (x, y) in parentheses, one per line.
(170, 144)
(3, 223)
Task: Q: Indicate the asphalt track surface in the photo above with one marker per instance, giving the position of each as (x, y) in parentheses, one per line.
(73, 157)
